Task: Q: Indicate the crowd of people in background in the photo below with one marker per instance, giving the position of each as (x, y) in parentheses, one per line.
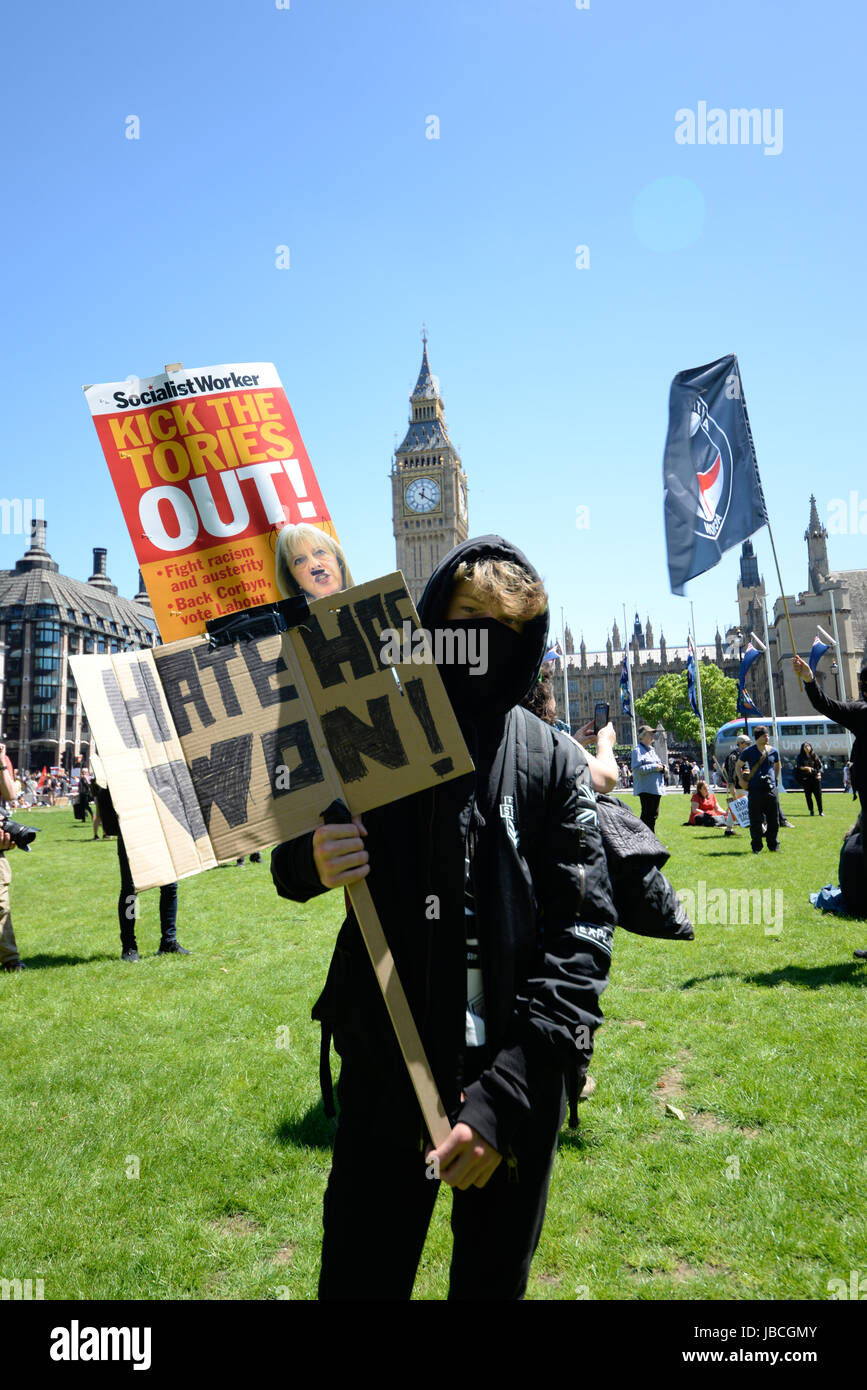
(91, 804)
(755, 768)
(39, 788)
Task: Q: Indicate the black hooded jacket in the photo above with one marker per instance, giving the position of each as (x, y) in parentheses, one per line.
(852, 714)
(543, 903)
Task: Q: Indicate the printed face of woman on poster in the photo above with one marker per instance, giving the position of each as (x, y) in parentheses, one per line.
(310, 562)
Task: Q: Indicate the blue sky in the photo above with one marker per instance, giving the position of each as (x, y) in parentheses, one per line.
(306, 127)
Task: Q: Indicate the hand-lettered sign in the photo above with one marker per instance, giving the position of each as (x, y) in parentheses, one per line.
(740, 809)
(212, 752)
(217, 491)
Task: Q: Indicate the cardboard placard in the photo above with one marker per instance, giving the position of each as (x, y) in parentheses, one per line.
(143, 766)
(740, 810)
(212, 752)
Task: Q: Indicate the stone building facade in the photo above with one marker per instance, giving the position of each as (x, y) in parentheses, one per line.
(595, 675)
(807, 609)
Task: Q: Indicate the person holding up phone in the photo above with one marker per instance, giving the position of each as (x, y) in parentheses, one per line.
(603, 767)
(604, 772)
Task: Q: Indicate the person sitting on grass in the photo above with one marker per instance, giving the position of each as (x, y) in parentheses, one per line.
(705, 809)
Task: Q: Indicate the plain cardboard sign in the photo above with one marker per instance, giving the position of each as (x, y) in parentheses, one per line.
(212, 752)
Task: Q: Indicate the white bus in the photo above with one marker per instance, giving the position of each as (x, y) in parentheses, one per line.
(829, 742)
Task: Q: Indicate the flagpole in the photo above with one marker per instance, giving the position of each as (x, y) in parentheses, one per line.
(700, 701)
(840, 662)
(770, 679)
(740, 659)
(783, 597)
(565, 669)
(629, 682)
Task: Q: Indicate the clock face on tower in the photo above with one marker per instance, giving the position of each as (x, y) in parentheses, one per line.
(462, 499)
(422, 495)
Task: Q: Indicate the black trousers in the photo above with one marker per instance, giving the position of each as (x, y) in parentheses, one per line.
(763, 804)
(379, 1202)
(813, 787)
(649, 808)
(127, 904)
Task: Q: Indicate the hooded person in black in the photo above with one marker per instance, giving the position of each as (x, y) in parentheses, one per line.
(510, 857)
(852, 714)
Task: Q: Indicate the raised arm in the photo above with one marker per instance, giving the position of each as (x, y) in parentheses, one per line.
(848, 713)
(604, 771)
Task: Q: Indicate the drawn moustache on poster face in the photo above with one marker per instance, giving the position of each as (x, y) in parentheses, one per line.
(308, 561)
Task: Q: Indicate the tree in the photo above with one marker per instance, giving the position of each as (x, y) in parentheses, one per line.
(668, 703)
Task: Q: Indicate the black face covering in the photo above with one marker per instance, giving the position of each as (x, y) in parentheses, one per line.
(495, 649)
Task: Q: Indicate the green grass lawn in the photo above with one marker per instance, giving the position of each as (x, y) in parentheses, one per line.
(161, 1134)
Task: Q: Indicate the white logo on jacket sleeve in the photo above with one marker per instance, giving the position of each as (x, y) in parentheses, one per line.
(507, 813)
(600, 936)
(587, 814)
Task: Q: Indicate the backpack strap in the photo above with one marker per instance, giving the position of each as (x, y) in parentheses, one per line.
(534, 753)
(534, 750)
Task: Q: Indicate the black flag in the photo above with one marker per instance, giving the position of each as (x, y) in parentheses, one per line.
(713, 493)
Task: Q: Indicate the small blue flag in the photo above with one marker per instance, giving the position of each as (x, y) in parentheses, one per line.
(819, 648)
(746, 705)
(691, 674)
(751, 654)
(624, 688)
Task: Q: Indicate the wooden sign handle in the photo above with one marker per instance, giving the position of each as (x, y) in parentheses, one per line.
(409, 1041)
(420, 1074)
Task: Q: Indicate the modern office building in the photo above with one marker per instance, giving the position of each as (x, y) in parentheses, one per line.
(45, 617)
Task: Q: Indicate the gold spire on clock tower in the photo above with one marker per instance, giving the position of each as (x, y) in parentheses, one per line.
(428, 486)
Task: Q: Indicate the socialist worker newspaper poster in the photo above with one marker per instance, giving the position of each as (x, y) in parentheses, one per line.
(217, 492)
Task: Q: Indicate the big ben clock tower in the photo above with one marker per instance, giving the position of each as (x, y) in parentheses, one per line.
(428, 487)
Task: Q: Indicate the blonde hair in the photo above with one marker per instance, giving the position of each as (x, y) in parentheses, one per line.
(289, 542)
(506, 584)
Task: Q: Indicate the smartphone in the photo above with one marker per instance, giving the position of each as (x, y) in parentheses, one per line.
(600, 716)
